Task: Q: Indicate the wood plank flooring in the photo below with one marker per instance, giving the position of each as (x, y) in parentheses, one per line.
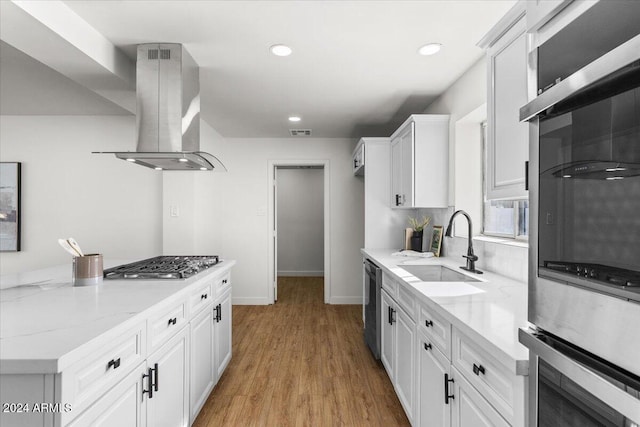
(301, 362)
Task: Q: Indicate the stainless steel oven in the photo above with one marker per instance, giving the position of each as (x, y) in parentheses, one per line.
(584, 198)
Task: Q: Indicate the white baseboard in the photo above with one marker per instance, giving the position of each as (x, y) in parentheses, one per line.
(289, 273)
(250, 301)
(346, 300)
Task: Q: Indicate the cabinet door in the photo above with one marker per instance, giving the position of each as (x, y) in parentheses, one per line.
(407, 171)
(432, 366)
(396, 172)
(508, 139)
(470, 409)
(203, 372)
(120, 406)
(222, 334)
(405, 361)
(387, 338)
(169, 404)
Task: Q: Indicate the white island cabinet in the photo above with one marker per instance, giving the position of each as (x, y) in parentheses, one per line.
(123, 353)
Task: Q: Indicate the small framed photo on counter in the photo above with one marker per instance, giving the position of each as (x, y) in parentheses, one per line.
(9, 206)
(436, 240)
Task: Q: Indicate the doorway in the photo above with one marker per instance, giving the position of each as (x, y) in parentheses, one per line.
(299, 222)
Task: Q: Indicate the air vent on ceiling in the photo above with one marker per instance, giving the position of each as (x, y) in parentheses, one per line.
(300, 132)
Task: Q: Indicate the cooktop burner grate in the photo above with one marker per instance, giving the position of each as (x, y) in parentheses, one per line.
(163, 267)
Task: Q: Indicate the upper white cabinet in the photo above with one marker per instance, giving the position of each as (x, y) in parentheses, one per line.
(359, 159)
(541, 11)
(419, 162)
(507, 138)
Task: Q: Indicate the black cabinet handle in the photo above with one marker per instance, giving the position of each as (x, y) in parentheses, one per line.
(447, 396)
(203, 296)
(155, 377)
(114, 362)
(428, 323)
(218, 310)
(355, 163)
(149, 383)
(478, 369)
(526, 175)
(397, 200)
(427, 346)
(173, 321)
(393, 317)
(224, 282)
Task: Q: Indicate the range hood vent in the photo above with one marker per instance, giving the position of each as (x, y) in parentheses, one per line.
(168, 111)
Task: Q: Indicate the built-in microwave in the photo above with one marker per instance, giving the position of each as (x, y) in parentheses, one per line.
(584, 199)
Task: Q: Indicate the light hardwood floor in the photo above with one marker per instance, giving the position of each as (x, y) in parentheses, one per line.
(301, 362)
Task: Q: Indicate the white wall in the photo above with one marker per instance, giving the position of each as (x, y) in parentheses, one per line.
(465, 96)
(108, 205)
(231, 211)
(300, 222)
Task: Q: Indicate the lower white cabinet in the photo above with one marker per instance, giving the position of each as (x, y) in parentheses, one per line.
(222, 333)
(398, 351)
(469, 408)
(203, 371)
(432, 368)
(167, 388)
(120, 406)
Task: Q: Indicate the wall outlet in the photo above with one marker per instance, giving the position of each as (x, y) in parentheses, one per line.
(174, 211)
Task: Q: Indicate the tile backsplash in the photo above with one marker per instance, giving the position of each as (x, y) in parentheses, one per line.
(504, 259)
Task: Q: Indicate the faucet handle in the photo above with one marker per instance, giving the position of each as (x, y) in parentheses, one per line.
(470, 257)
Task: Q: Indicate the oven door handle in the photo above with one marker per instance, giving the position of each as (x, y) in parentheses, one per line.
(600, 388)
(617, 58)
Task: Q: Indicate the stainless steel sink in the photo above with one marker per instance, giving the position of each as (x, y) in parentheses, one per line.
(437, 273)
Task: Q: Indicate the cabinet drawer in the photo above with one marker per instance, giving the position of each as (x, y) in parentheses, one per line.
(222, 283)
(85, 381)
(492, 379)
(200, 298)
(407, 301)
(164, 324)
(437, 329)
(390, 285)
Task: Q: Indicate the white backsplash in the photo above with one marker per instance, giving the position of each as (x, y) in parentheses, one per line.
(508, 260)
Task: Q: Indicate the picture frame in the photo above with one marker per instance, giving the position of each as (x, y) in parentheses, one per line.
(436, 240)
(10, 177)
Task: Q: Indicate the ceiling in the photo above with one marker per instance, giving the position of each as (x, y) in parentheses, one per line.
(354, 70)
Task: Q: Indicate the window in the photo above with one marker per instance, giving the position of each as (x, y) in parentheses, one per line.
(503, 218)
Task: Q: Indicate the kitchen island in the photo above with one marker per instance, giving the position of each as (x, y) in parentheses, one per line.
(96, 353)
(457, 337)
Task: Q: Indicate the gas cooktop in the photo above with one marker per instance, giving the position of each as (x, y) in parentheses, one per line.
(163, 267)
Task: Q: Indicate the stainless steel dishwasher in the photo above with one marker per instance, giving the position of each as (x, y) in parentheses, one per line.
(372, 306)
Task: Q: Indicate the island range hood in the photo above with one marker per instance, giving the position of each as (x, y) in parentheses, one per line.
(168, 111)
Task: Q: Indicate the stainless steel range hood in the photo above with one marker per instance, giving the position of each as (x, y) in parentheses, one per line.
(168, 111)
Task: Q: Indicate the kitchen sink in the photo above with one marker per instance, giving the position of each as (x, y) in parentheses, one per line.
(437, 273)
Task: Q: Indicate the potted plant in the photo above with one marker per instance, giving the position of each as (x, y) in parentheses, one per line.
(418, 231)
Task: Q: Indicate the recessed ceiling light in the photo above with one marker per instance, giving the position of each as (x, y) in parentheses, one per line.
(430, 49)
(294, 119)
(203, 169)
(131, 160)
(158, 169)
(280, 50)
(183, 160)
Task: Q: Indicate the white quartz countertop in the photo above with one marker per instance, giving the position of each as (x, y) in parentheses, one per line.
(489, 311)
(46, 323)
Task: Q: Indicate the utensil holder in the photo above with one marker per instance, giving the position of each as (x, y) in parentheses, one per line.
(87, 270)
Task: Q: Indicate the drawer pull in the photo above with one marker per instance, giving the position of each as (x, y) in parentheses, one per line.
(427, 346)
(113, 362)
(155, 377)
(148, 375)
(203, 296)
(447, 396)
(224, 282)
(478, 369)
(428, 323)
(173, 321)
(218, 310)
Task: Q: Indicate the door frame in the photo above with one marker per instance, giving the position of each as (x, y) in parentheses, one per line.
(326, 167)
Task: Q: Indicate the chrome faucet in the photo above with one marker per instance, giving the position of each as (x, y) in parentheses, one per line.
(470, 256)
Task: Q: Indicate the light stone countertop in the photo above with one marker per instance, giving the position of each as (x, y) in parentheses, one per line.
(46, 324)
(489, 312)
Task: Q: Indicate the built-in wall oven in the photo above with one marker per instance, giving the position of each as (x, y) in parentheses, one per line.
(372, 306)
(584, 195)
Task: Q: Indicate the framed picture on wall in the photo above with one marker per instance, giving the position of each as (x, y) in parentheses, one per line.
(436, 240)
(10, 206)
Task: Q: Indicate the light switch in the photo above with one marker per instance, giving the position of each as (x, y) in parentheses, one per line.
(174, 211)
